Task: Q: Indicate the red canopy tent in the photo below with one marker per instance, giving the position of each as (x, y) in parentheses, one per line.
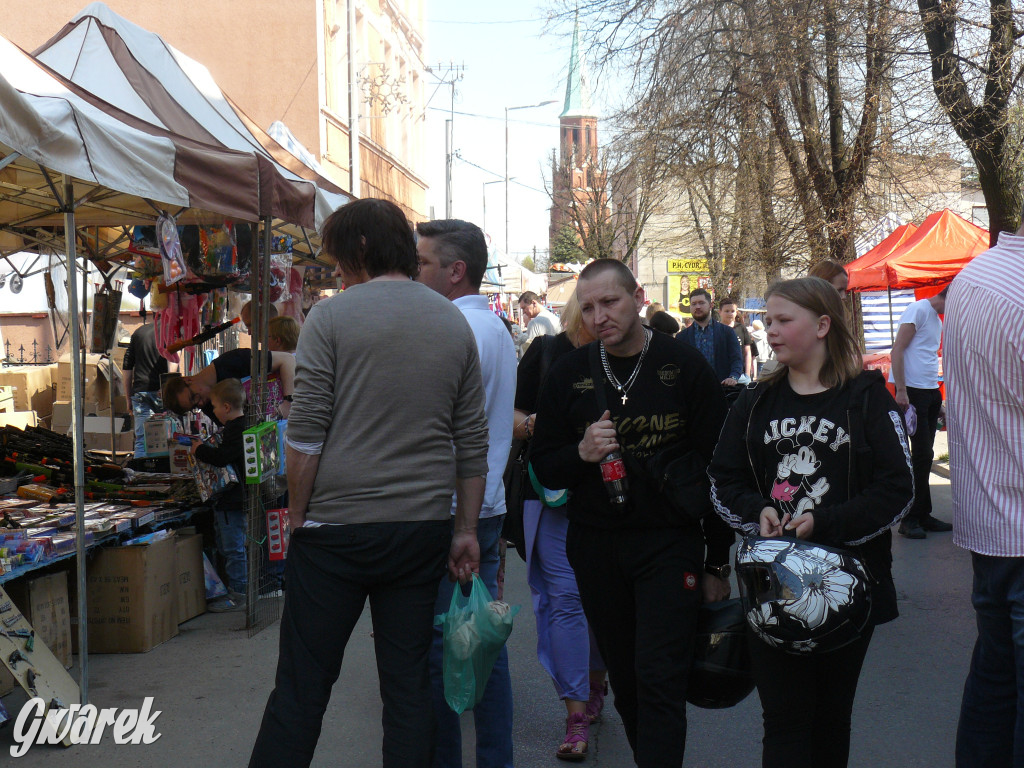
(943, 246)
(867, 273)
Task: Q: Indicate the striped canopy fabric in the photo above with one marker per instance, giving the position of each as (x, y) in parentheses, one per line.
(137, 72)
(123, 170)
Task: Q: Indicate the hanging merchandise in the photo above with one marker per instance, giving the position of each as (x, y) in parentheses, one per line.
(280, 268)
(178, 320)
(219, 249)
(138, 288)
(16, 283)
(292, 306)
(106, 304)
(170, 250)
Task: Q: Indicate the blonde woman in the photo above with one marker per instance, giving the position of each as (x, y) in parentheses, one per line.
(565, 646)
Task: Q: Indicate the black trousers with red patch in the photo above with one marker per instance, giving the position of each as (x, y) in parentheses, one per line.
(640, 591)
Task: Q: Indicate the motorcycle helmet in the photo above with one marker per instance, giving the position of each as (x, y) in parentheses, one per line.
(720, 676)
(801, 597)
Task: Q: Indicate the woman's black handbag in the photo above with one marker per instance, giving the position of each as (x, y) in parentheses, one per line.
(517, 469)
(517, 480)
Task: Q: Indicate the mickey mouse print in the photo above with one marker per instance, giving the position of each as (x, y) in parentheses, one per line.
(800, 483)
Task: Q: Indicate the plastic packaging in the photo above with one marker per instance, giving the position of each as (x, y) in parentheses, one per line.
(175, 268)
(475, 630)
(910, 418)
(219, 249)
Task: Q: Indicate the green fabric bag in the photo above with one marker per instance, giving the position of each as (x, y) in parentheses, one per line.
(475, 630)
(549, 497)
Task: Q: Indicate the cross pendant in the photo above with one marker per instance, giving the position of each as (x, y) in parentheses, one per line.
(624, 399)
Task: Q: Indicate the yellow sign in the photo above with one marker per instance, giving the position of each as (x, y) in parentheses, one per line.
(682, 266)
(679, 287)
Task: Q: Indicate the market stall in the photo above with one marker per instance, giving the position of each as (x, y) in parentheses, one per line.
(71, 161)
(911, 263)
(867, 272)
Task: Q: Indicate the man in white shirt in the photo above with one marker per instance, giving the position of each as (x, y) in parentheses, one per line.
(543, 322)
(985, 387)
(915, 372)
(453, 257)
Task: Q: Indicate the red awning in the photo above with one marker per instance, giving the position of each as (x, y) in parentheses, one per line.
(943, 246)
(867, 273)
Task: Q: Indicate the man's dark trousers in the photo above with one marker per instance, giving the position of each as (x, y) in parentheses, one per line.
(928, 404)
(330, 572)
(640, 592)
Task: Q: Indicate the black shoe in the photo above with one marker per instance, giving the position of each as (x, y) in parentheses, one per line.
(912, 529)
(934, 525)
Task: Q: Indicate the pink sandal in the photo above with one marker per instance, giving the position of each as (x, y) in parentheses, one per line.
(596, 702)
(577, 733)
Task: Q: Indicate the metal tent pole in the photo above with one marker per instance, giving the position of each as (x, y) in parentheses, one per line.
(78, 434)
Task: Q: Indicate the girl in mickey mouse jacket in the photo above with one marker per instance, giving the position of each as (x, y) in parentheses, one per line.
(816, 450)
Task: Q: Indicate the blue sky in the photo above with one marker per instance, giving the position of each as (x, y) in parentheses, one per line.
(509, 61)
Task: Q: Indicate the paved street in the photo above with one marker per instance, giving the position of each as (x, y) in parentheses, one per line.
(211, 684)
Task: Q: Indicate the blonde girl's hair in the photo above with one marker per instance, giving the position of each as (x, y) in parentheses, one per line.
(843, 361)
(572, 321)
(572, 318)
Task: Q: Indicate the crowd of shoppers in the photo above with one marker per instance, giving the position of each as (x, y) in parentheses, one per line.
(396, 493)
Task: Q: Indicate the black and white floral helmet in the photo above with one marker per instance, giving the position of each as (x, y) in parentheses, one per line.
(801, 597)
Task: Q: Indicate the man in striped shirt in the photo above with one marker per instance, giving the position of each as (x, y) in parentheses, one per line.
(985, 405)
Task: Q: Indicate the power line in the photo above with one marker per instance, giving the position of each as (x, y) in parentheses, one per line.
(490, 117)
(460, 21)
(499, 175)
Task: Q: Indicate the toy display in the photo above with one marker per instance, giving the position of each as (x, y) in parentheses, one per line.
(261, 452)
(278, 533)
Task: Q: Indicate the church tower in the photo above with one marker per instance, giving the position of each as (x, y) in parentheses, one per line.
(576, 176)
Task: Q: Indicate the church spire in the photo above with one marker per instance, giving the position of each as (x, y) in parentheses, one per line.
(577, 95)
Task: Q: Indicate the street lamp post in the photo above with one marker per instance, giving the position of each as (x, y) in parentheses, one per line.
(496, 181)
(507, 110)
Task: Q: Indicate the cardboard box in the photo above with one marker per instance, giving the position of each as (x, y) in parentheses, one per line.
(43, 601)
(179, 460)
(132, 597)
(118, 353)
(99, 371)
(158, 433)
(188, 571)
(7, 399)
(61, 417)
(19, 419)
(97, 434)
(33, 387)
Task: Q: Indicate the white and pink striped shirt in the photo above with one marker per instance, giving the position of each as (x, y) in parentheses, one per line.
(983, 362)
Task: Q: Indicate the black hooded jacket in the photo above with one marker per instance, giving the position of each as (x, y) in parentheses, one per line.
(841, 454)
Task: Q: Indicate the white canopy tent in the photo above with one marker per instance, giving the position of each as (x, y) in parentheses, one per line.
(138, 72)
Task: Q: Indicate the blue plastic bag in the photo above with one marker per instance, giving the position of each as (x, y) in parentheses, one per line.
(475, 630)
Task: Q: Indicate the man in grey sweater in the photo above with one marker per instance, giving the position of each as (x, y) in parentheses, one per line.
(387, 421)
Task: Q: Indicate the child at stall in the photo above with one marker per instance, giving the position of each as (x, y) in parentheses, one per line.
(229, 520)
(815, 450)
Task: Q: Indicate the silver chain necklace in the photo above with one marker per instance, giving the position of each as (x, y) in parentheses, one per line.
(623, 389)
